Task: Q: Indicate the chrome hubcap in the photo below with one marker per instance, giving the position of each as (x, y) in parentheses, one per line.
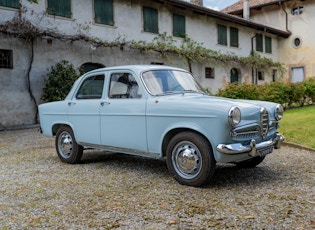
(187, 160)
(65, 144)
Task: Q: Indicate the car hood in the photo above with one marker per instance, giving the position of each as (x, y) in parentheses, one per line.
(218, 102)
(205, 105)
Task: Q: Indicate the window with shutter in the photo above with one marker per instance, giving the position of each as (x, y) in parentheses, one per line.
(233, 37)
(10, 3)
(6, 59)
(259, 42)
(222, 35)
(150, 20)
(60, 8)
(179, 27)
(268, 45)
(104, 12)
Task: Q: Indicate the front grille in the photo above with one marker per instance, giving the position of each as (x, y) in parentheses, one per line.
(255, 130)
(246, 132)
(264, 119)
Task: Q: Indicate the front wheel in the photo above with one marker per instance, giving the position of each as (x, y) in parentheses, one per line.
(190, 159)
(68, 149)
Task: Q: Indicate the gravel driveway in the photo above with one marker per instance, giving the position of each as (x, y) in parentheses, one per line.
(114, 191)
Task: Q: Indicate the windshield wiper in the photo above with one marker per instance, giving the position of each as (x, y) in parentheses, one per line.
(168, 93)
(192, 91)
(180, 92)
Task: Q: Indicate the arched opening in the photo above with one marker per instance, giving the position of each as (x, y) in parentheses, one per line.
(88, 66)
(234, 75)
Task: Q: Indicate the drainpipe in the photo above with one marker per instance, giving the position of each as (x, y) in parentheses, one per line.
(286, 15)
(252, 52)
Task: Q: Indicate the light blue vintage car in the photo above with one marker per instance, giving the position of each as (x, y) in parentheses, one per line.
(160, 111)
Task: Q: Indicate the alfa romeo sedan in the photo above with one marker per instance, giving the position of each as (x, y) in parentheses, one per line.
(161, 112)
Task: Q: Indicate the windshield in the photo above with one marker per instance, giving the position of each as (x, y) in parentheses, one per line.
(160, 82)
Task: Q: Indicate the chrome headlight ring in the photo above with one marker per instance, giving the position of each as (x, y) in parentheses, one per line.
(234, 116)
(279, 112)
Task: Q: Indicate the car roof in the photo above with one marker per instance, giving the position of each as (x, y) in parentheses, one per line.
(138, 68)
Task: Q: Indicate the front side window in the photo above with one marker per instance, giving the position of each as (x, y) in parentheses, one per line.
(233, 37)
(259, 43)
(91, 88)
(268, 45)
(150, 20)
(60, 8)
(6, 59)
(104, 12)
(124, 85)
(10, 3)
(222, 35)
(179, 27)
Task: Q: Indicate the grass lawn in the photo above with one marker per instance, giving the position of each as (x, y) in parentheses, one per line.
(298, 126)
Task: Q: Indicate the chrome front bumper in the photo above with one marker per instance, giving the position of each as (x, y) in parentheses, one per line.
(253, 149)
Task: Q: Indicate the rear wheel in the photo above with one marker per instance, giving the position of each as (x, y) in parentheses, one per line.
(190, 159)
(251, 163)
(68, 149)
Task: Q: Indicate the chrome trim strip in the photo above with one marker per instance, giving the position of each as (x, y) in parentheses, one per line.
(121, 150)
(253, 148)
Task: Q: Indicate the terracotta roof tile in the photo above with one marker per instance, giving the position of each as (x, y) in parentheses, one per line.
(238, 6)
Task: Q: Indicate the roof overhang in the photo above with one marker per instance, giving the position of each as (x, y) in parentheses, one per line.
(226, 17)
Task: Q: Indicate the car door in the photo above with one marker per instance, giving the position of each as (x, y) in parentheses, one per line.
(83, 110)
(123, 114)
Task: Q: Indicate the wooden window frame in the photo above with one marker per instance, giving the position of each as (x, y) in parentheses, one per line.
(234, 37)
(222, 34)
(152, 25)
(15, 4)
(61, 11)
(179, 25)
(6, 59)
(104, 12)
(268, 44)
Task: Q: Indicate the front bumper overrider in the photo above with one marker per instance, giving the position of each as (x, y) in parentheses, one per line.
(253, 149)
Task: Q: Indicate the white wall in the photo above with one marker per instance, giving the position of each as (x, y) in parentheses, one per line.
(16, 105)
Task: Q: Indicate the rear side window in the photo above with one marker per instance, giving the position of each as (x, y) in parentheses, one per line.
(91, 88)
(124, 85)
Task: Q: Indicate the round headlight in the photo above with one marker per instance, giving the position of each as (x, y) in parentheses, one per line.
(234, 116)
(279, 112)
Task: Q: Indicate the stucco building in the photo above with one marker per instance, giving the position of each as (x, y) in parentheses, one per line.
(94, 33)
(295, 16)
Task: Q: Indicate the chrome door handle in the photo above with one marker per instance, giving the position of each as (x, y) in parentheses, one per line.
(71, 103)
(104, 103)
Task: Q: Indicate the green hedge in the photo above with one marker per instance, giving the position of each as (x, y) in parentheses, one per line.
(288, 94)
(59, 81)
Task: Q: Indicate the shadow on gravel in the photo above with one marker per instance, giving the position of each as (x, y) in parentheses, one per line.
(120, 160)
(226, 175)
(231, 175)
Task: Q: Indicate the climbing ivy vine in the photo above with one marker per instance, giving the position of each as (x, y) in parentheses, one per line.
(188, 49)
(193, 51)
(164, 44)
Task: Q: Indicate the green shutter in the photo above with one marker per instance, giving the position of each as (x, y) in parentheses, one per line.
(259, 42)
(150, 20)
(10, 3)
(60, 8)
(103, 10)
(268, 46)
(179, 27)
(222, 35)
(233, 37)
